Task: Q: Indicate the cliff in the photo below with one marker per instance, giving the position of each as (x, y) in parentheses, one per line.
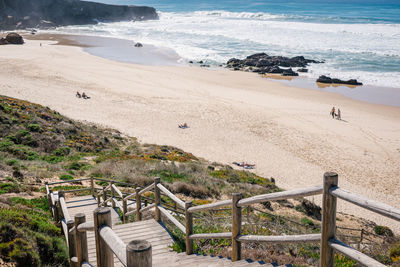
(21, 14)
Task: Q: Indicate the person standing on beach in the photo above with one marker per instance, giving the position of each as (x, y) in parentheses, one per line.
(339, 115)
(333, 112)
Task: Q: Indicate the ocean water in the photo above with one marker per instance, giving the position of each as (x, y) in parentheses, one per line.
(356, 38)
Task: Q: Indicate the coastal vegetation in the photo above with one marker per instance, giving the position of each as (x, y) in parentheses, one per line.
(39, 145)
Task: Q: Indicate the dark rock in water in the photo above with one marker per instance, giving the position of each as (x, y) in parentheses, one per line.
(326, 79)
(22, 14)
(302, 70)
(204, 65)
(289, 72)
(138, 45)
(200, 62)
(263, 63)
(191, 62)
(3, 41)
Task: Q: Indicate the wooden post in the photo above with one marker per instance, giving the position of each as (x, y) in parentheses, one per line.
(98, 200)
(124, 209)
(102, 217)
(92, 185)
(112, 195)
(51, 207)
(145, 202)
(81, 240)
(104, 196)
(189, 228)
(236, 226)
(71, 244)
(59, 209)
(328, 229)
(157, 199)
(138, 205)
(138, 254)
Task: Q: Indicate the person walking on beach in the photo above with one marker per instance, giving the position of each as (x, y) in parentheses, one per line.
(339, 115)
(333, 112)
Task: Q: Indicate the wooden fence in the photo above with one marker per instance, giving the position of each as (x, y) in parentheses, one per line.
(328, 239)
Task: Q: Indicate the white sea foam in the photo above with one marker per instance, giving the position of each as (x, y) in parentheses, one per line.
(368, 52)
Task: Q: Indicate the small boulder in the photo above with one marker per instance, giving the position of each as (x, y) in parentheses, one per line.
(3, 41)
(14, 38)
(302, 70)
(324, 79)
(289, 72)
(138, 45)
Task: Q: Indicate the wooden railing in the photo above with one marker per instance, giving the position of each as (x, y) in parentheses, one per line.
(328, 238)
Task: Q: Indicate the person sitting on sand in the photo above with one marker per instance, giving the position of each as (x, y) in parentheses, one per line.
(183, 126)
(78, 95)
(333, 113)
(85, 96)
(339, 115)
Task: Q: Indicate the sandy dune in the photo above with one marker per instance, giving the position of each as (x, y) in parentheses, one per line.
(233, 116)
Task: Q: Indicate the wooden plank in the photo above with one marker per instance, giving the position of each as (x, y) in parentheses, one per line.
(295, 193)
(148, 207)
(309, 238)
(172, 219)
(148, 188)
(372, 205)
(87, 226)
(353, 253)
(115, 243)
(211, 236)
(171, 196)
(117, 191)
(64, 209)
(214, 205)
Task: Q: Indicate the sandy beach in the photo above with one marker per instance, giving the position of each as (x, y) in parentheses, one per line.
(233, 116)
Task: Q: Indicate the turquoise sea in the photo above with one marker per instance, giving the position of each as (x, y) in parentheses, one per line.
(356, 38)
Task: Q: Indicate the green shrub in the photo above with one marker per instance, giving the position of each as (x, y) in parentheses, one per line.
(20, 252)
(12, 162)
(395, 251)
(62, 151)
(383, 230)
(5, 144)
(34, 127)
(66, 177)
(52, 159)
(9, 188)
(74, 166)
(307, 222)
(342, 261)
(39, 203)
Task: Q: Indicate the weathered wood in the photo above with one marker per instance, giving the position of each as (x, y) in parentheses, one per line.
(86, 264)
(372, 205)
(139, 254)
(353, 253)
(116, 203)
(81, 240)
(86, 226)
(71, 243)
(63, 205)
(92, 185)
(104, 196)
(76, 190)
(309, 238)
(124, 210)
(148, 188)
(116, 190)
(147, 207)
(133, 211)
(211, 236)
(157, 199)
(102, 217)
(138, 205)
(114, 243)
(112, 195)
(64, 228)
(171, 196)
(214, 205)
(172, 219)
(236, 226)
(189, 228)
(69, 181)
(328, 228)
(302, 192)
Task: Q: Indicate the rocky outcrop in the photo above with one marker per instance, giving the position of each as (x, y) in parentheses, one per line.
(263, 63)
(326, 79)
(12, 38)
(21, 14)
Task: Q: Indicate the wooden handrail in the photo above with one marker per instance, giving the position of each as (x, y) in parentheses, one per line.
(69, 181)
(64, 209)
(310, 238)
(211, 236)
(148, 207)
(114, 243)
(302, 192)
(87, 226)
(116, 190)
(214, 205)
(354, 254)
(171, 196)
(172, 219)
(372, 205)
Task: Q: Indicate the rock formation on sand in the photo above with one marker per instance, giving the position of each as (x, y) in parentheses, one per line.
(326, 79)
(21, 14)
(12, 38)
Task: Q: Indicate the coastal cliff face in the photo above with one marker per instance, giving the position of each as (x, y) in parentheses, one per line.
(21, 14)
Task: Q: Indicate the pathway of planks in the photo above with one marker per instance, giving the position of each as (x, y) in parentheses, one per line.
(148, 230)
